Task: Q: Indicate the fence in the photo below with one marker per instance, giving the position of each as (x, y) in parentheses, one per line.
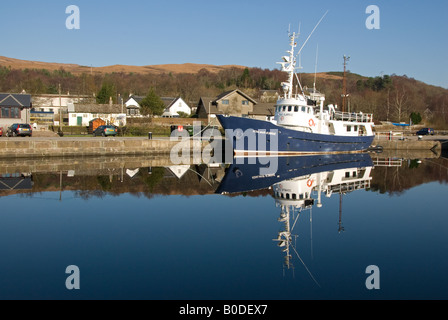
(391, 136)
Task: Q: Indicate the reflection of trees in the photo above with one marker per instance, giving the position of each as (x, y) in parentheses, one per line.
(88, 194)
(147, 183)
(396, 180)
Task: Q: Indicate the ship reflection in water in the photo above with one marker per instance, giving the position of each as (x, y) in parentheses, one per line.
(298, 185)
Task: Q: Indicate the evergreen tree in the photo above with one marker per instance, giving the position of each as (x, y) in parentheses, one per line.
(152, 104)
(107, 91)
(416, 118)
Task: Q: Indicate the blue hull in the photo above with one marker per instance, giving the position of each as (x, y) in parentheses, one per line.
(246, 177)
(260, 137)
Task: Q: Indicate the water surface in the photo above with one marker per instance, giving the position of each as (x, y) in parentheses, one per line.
(166, 234)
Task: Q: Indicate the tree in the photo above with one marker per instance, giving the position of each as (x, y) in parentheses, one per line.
(416, 118)
(400, 104)
(107, 91)
(245, 80)
(152, 104)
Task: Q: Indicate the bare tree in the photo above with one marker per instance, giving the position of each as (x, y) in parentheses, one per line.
(400, 103)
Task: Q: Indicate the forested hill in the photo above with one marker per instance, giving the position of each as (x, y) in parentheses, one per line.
(390, 97)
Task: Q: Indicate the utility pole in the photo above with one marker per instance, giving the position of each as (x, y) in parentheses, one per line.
(344, 94)
(60, 110)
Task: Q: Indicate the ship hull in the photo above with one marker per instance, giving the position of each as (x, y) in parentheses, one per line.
(245, 177)
(252, 137)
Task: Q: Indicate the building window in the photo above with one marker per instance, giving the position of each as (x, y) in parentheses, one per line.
(10, 113)
(245, 102)
(225, 102)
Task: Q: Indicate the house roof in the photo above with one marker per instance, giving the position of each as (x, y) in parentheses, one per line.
(137, 99)
(168, 101)
(264, 109)
(15, 100)
(211, 104)
(97, 108)
(228, 93)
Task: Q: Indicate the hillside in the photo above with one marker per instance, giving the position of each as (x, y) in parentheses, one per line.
(391, 98)
(189, 68)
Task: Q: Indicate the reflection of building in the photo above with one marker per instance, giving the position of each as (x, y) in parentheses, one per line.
(19, 181)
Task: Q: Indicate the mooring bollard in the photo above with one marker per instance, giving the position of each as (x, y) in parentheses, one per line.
(150, 135)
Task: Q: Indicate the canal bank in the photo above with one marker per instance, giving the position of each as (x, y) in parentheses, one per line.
(16, 148)
(409, 145)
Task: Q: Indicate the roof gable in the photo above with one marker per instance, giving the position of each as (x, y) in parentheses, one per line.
(15, 100)
(224, 95)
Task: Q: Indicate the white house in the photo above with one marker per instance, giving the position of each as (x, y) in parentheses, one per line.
(133, 106)
(175, 107)
(82, 114)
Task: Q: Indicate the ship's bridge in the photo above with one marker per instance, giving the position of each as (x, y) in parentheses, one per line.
(295, 112)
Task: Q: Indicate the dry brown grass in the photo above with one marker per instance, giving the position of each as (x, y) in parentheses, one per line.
(77, 69)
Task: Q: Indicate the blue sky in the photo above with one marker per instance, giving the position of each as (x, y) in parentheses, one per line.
(411, 41)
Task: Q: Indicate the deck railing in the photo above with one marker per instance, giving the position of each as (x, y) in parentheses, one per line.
(353, 117)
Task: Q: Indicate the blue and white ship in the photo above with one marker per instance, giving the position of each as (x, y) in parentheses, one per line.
(302, 124)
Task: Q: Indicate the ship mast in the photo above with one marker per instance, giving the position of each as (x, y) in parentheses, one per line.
(344, 93)
(289, 65)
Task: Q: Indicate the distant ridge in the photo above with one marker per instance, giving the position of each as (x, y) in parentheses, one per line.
(78, 69)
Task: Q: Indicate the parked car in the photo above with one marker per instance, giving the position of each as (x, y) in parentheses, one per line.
(1, 132)
(425, 132)
(105, 131)
(19, 130)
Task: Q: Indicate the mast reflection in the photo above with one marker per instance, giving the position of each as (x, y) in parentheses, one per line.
(298, 185)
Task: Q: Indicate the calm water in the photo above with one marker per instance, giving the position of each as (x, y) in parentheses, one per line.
(165, 234)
